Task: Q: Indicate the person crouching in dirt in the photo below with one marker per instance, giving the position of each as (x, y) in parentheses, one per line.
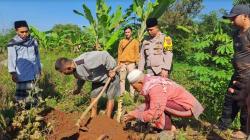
(96, 67)
(163, 98)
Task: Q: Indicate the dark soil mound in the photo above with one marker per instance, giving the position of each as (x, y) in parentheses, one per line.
(64, 127)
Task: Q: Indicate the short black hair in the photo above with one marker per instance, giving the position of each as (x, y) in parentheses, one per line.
(20, 23)
(127, 27)
(60, 62)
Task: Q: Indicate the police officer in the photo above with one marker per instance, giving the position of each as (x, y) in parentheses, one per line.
(156, 51)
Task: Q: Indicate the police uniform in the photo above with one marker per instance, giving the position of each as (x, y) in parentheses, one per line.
(156, 54)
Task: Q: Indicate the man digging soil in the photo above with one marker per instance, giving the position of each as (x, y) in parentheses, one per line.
(96, 67)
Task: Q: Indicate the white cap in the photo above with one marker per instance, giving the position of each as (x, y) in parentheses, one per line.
(134, 75)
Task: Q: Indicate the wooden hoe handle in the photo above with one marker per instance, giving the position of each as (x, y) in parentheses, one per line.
(95, 101)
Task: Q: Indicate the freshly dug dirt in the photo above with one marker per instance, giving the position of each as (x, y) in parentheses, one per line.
(101, 126)
(63, 124)
(64, 129)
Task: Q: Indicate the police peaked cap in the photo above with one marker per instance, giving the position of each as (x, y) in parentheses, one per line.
(151, 22)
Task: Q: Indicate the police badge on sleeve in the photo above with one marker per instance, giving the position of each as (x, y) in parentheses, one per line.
(168, 45)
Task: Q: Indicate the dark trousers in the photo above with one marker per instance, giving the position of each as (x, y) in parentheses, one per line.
(230, 110)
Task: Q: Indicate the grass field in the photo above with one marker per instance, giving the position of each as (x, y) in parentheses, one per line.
(57, 94)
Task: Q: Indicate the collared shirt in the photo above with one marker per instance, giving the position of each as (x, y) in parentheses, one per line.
(157, 92)
(23, 58)
(153, 55)
(95, 67)
(128, 51)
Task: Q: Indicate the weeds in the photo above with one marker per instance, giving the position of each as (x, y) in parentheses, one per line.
(29, 123)
(181, 135)
(56, 94)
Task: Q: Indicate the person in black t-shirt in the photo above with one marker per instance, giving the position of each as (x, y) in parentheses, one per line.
(240, 17)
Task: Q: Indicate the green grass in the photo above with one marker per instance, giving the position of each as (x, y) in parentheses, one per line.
(211, 102)
(7, 87)
(57, 89)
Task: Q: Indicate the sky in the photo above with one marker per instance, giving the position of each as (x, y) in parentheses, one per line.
(44, 14)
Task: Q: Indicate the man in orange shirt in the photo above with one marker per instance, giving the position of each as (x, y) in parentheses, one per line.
(128, 57)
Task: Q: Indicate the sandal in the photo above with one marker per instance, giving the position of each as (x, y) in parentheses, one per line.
(239, 135)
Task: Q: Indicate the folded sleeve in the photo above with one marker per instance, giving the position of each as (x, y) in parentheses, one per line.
(12, 59)
(157, 104)
(119, 52)
(137, 51)
(38, 61)
(142, 60)
(167, 56)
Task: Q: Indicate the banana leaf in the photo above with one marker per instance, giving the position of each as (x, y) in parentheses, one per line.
(161, 7)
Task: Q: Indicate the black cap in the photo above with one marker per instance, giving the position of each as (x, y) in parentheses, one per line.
(238, 10)
(20, 23)
(151, 22)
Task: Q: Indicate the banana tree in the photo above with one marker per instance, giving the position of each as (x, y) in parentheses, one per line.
(105, 27)
(40, 36)
(145, 9)
(80, 41)
(47, 40)
(66, 39)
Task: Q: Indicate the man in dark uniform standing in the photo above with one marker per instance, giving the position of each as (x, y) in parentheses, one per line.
(239, 16)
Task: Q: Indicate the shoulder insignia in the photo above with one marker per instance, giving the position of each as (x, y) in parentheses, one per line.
(168, 45)
(79, 62)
